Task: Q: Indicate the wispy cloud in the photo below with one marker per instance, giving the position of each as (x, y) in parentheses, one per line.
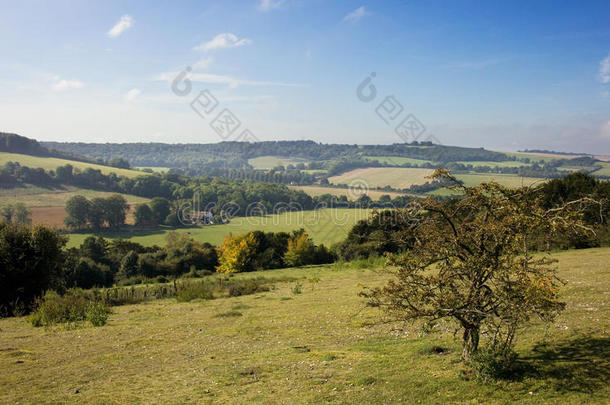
(266, 5)
(63, 84)
(203, 63)
(124, 23)
(604, 70)
(355, 15)
(222, 79)
(224, 40)
(132, 94)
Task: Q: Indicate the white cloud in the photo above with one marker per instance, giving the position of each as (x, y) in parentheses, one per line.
(266, 5)
(355, 15)
(604, 70)
(63, 85)
(132, 94)
(124, 23)
(203, 64)
(224, 40)
(222, 79)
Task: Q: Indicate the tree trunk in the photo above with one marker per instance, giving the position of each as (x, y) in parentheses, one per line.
(470, 341)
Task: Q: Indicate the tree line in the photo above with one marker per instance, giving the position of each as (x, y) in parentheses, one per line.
(236, 154)
(389, 231)
(35, 259)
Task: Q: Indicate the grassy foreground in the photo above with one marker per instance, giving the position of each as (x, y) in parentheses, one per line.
(315, 347)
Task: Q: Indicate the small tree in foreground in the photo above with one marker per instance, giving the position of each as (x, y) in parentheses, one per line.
(470, 263)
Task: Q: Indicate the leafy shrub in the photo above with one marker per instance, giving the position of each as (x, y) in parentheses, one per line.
(492, 364)
(222, 287)
(54, 308)
(75, 306)
(97, 314)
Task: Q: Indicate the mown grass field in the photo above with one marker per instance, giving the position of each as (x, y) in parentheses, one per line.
(495, 164)
(320, 346)
(397, 160)
(154, 169)
(508, 180)
(48, 163)
(396, 177)
(318, 190)
(269, 162)
(604, 171)
(404, 177)
(541, 157)
(327, 226)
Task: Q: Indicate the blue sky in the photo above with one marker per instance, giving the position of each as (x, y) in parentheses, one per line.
(504, 76)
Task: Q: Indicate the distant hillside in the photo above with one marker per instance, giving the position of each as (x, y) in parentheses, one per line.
(13, 143)
(52, 163)
(236, 154)
(20, 144)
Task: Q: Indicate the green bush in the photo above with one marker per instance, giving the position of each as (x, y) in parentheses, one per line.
(209, 289)
(492, 364)
(97, 314)
(75, 306)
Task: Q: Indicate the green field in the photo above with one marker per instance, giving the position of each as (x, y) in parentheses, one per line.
(52, 163)
(326, 226)
(540, 157)
(471, 180)
(316, 347)
(337, 191)
(508, 180)
(396, 177)
(508, 163)
(269, 162)
(397, 160)
(154, 169)
(314, 171)
(604, 171)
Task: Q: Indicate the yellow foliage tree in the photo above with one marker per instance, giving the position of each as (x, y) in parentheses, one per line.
(301, 250)
(236, 253)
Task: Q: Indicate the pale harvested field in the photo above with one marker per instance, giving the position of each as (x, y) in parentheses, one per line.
(54, 216)
(396, 177)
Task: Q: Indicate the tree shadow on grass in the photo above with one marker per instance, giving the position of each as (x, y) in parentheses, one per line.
(581, 364)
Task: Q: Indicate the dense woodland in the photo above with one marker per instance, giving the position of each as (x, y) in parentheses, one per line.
(236, 154)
